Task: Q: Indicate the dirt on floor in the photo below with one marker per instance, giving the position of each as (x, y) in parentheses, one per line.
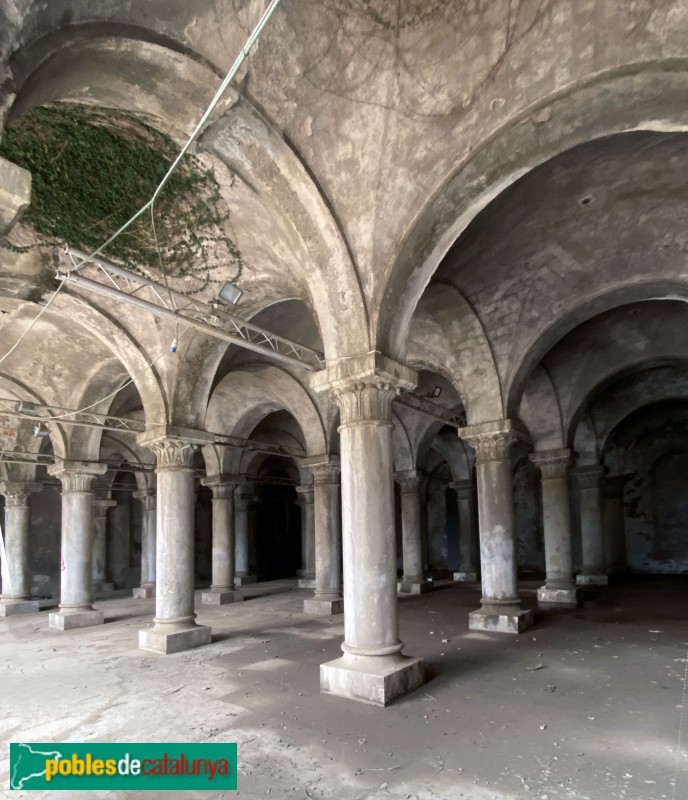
(585, 706)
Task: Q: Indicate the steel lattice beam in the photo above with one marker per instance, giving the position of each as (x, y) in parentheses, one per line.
(124, 286)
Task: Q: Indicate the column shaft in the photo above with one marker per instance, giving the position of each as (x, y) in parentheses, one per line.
(16, 575)
(559, 589)
(222, 589)
(306, 494)
(76, 585)
(243, 532)
(327, 599)
(467, 538)
(174, 627)
(148, 543)
(592, 538)
(413, 580)
(501, 608)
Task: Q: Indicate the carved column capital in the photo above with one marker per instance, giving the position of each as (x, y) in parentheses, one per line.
(222, 486)
(77, 476)
(305, 493)
(553, 464)
(589, 477)
(174, 446)
(17, 492)
(409, 481)
(100, 507)
(491, 441)
(463, 489)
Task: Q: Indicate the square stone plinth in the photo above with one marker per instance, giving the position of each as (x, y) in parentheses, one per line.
(65, 620)
(11, 607)
(244, 580)
(372, 679)
(414, 587)
(142, 592)
(167, 639)
(306, 583)
(323, 608)
(558, 598)
(500, 620)
(220, 597)
(466, 577)
(592, 580)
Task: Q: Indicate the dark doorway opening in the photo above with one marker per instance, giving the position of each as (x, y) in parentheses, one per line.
(278, 534)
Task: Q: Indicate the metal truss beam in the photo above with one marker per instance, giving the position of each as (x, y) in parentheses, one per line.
(124, 286)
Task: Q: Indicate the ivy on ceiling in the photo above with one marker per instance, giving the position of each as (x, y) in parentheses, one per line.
(93, 168)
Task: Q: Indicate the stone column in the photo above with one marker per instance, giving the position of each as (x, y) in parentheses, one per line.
(76, 578)
(222, 590)
(16, 575)
(174, 627)
(413, 580)
(99, 556)
(592, 538)
(148, 543)
(327, 599)
(613, 527)
(467, 551)
(559, 589)
(243, 518)
(372, 667)
(306, 494)
(501, 609)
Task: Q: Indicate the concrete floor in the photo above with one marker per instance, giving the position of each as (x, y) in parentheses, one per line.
(586, 705)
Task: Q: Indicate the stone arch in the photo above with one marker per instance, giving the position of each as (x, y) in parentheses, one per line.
(540, 411)
(616, 101)
(246, 395)
(444, 315)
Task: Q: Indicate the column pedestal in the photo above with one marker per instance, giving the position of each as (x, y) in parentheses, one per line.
(174, 627)
(16, 576)
(76, 595)
(372, 668)
(501, 609)
(466, 577)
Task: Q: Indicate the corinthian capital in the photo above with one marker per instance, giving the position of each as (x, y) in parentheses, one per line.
(552, 463)
(491, 441)
(77, 476)
(17, 492)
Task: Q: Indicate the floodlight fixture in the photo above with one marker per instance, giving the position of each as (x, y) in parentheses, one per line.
(437, 391)
(230, 293)
(40, 431)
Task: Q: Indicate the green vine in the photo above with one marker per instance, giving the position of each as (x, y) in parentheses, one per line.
(93, 168)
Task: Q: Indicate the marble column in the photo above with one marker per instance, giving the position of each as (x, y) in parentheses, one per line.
(468, 572)
(99, 555)
(174, 627)
(559, 589)
(413, 581)
(306, 495)
(372, 668)
(76, 587)
(222, 589)
(148, 543)
(16, 574)
(589, 480)
(327, 598)
(244, 501)
(613, 526)
(501, 609)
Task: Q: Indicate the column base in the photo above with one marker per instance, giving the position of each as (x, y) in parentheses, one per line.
(419, 586)
(221, 597)
(592, 580)
(244, 580)
(169, 638)
(372, 679)
(558, 598)
(307, 582)
(104, 587)
(466, 577)
(141, 592)
(68, 619)
(500, 619)
(323, 608)
(9, 607)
